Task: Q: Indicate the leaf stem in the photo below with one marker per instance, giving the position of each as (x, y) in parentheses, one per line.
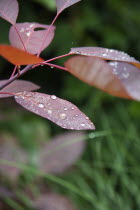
(20, 38)
(55, 66)
(26, 69)
(47, 34)
(7, 93)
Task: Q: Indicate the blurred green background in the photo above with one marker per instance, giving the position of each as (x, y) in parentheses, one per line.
(108, 172)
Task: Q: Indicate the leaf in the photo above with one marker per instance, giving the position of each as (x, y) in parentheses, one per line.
(63, 4)
(32, 39)
(59, 111)
(17, 56)
(117, 78)
(10, 151)
(17, 86)
(105, 54)
(9, 10)
(61, 152)
(53, 201)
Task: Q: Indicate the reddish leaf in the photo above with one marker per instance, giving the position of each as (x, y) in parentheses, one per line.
(17, 86)
(59, 111)
(52, 201)
(18, 57)
(32, 39)
(112, 78)
(9, 10)
(105, 54)
(61, 152)
(10, 151)
(63, 4)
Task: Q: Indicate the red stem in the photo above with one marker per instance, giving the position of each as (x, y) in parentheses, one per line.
(47, 34)
(20, 38)
(7, 93)
(56, 66)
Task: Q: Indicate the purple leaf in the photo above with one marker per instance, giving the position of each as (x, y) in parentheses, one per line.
(32, 39)
(10, 151)
(63, 4)
(129, 76)
(9, 10)
(106, 54)
(52, 201)
(17, 86)
(59, 111)
(61, 152)
(117, 78)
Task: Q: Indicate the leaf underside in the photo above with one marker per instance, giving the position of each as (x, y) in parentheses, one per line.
(117, 78)
(59, 111)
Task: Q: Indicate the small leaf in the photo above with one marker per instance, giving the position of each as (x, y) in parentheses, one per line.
(18, 57)
(61, 152)
(17, 86)
(117, 78)
(59, 111)
(53, 201)
(9, 10)
(63, 4)
(32, 39)
(105, 54)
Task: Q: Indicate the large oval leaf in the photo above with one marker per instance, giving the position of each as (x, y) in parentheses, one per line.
(105, 54)
(9, 10)
(117, 78)
(52, 201)
(63, 4)
(18, 57)
(61, 152)
(17, 86)
(32, 39)
(59, 111)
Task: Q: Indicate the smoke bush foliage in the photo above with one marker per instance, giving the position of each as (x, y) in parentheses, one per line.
(110, 70)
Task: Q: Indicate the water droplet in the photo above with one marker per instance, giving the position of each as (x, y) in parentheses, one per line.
(78, 52)
(53, 97)
(52, 67)
(104, 54)
(87, 118)
(62, 116)
(76, 115)
(22, 30)
(72, 108)
(41, 105)
(31, 25)
(65, 109)
(28, 33)
(125, 75)
(83, 124)
(49, 111)
(111, 50)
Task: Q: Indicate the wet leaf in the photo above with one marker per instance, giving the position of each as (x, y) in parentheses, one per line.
(117, 78)
(9, 10)
(17, 86)
(61, 152)
(10, 151)
(18, 57)
(105, 54)
(59, 111)
(52, 201)
(63, 4)
(32, 39)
